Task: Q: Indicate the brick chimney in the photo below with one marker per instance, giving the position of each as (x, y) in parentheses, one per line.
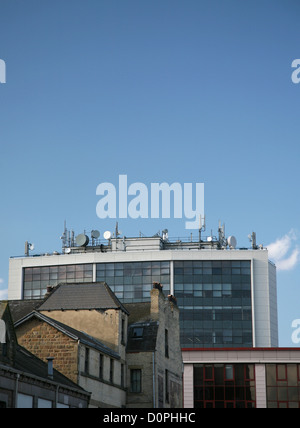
(157, 300)
(50, 289)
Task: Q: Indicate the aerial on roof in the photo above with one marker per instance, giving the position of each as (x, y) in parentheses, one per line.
(82, 296)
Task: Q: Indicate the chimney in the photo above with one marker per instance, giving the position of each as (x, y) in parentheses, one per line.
(50, 367)
(157, 286)
(50, 289)
(157, 301)
(172, 299)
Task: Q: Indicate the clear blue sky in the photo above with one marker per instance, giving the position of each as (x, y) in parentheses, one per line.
(160, 90)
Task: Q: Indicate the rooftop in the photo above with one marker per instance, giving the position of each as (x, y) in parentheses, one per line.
(196, 241)
(82, 296)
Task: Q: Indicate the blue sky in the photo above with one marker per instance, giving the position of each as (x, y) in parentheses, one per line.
(177, 91)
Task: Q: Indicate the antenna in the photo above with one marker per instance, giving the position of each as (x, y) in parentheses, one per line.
(107, 235)
(202, 227)
(252, 238)
(64, 235)
(222, 239)
(82, 240)
(28, 247)
(165, 234)
(95, 234)
(117, 231)
(232, 242)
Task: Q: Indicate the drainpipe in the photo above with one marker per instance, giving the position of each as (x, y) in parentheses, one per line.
(56, 396)
(154, 380)
(17, 390)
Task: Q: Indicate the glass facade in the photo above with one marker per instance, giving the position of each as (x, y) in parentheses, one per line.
(132, 282)
(224, 386)
(283, 386)
(37, 279)
(214, 298)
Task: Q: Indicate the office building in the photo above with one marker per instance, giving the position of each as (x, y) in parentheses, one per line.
(227, 296)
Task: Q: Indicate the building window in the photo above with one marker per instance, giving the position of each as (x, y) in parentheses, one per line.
(111, 371)
(137, 332)
(223, 386)
(44, 404)
(166, 343)
(101, 362)
(136, 381)
(37, 279)
(215, 303)
(283, 386)
(167, 386)
(132, 282)
(122, 376)
(25, 401)
(229, 372)
(123, 341)
(87, 361)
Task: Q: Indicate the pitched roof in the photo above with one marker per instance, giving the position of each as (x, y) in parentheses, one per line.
(30, 364)
(83, 337)
(20, 308)
(82, 296)
(3, 306)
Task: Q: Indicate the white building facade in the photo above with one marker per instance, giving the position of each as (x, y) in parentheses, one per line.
(227, 297)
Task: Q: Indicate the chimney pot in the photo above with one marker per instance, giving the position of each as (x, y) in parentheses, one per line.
(158, 286)
(172, 299)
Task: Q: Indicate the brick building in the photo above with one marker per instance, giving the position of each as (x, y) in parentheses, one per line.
(26, 381)
(85, 328)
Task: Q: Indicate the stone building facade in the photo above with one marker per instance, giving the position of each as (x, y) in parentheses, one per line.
(123, 357)
(27, 381)
(153, 353)
(98, 366)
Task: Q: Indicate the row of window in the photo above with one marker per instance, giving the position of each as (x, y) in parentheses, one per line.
(27, 402)
(233, 385)
(215, 303)
(106, 370)
(218, 339)
(283, 385)
(224, 386)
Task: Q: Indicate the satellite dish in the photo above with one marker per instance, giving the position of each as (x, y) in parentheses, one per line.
(31, 247)
(107, 235)
(82, 240)
(95, 234)
(67, 250)
(232, 242)
(210, 239)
